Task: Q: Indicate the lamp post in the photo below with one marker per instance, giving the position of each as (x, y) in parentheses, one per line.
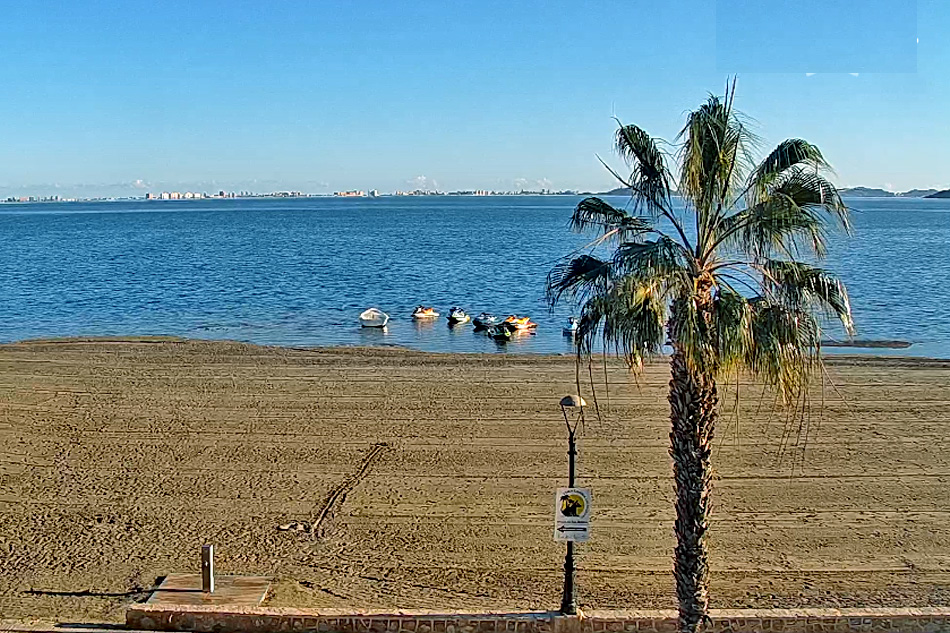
(569, 595)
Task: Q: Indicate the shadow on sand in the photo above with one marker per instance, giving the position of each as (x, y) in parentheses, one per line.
(140, 595)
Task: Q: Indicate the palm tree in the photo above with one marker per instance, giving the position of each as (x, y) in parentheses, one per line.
(718, 275)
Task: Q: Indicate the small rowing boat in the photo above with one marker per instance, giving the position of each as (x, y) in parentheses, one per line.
(374, 317)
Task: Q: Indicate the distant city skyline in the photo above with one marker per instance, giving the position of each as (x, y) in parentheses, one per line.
(134, 190)
(115, 98)
(180, 195)
(141, 187)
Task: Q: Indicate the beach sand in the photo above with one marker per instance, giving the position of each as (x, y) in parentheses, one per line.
(118, 459)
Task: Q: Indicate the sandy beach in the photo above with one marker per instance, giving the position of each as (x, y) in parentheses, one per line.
(414, 480)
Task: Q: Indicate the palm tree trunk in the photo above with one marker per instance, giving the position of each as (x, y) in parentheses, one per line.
(693, 404)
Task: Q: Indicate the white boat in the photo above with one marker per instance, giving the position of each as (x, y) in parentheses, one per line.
(374, 317)
(573, 323)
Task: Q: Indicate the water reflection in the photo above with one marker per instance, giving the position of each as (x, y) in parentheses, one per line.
(424, 325)
(374, 333)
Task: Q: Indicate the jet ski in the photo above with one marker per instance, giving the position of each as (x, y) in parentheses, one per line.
(457, 316)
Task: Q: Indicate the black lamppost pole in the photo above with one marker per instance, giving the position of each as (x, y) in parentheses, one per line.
(569, 595)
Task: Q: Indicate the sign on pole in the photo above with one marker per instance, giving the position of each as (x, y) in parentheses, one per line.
(572, 514)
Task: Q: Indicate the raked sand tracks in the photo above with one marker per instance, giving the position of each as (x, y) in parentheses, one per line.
(119, 459)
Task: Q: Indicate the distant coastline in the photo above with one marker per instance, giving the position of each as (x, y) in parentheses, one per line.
(847, 192)
(192, 197)
(174, 196)
(871, 192)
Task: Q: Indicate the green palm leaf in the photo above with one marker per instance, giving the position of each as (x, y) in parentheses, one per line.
(714, 158)
(785, 345)
(593, 214)
(794, 213)
(649, 179)
(627, 316)
(805, 287)
(788, 153)
(578, 277)
(661, 261)
(733, 335)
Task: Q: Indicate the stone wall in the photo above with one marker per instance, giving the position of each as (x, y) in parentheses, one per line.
(208, 619)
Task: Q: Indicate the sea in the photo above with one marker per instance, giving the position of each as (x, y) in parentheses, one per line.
(299, 271)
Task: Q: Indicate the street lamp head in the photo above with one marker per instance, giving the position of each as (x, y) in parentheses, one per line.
(572, 401)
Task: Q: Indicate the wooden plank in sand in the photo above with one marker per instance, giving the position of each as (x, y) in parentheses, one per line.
(185, 589)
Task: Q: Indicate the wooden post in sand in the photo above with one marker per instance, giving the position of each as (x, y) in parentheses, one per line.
(207, 568)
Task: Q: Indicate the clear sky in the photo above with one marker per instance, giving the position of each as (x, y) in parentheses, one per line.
(122, 97)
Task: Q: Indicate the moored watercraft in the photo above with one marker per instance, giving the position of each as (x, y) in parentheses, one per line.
(458, 315)
(374, 317)
(484, 321)
(423, 312)
(573, 323)
(501, 332)
(521, 323)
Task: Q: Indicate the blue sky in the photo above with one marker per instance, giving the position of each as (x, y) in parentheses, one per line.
(123, 97)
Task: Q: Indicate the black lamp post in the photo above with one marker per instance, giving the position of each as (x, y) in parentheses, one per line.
(569, 596)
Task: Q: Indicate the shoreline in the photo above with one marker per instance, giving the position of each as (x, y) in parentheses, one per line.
(848, 357)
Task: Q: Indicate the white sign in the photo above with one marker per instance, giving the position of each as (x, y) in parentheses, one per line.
(572, 514)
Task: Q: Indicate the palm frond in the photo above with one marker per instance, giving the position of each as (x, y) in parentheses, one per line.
(775, 225)
(628, 316)
(733, 318)
(649, 179)
(809, 188)
(714, 158)
(578, 277)
(789, 153)
(794, 213)
(612, 223)
(802, 286)
(785, 345)
(661, 261)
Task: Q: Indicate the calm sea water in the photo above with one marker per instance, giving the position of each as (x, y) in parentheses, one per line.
(298, 272)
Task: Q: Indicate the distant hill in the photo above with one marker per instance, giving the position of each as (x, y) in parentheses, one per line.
(916, 193)
(850, 192)
(865, 192)
(871, 192)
